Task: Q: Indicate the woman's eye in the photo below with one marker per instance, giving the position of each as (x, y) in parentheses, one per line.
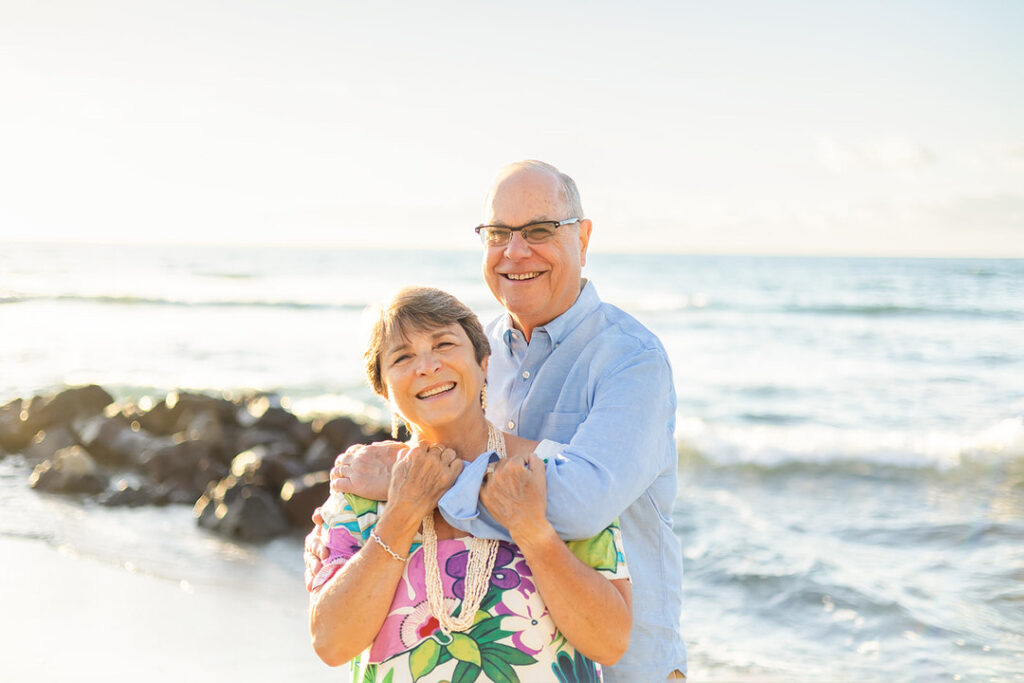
(445, 344)
(401, 358)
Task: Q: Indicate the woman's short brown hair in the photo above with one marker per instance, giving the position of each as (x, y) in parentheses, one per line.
(418, 309)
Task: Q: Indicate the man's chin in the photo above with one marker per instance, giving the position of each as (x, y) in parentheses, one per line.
(519, 305)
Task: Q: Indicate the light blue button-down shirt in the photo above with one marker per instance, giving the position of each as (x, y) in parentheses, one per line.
(596, 379)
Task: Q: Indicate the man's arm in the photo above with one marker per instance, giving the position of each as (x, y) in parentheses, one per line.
(614, 456)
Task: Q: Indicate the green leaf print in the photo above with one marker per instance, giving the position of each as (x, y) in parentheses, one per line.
(360, 505)
(370, 674)
(464, 649)
(489, 630)
(466, 673)
(499, 671)
(390, 676)
(506, 653)
(597, 552)
(423, 658)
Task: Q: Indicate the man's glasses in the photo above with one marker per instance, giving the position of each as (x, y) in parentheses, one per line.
(534, 233)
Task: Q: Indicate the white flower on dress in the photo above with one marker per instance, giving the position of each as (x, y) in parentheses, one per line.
(530, 622)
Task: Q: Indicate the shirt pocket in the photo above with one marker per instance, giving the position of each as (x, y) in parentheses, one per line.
(561, 427)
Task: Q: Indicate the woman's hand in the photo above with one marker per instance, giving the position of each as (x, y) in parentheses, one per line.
(420, 476)
(515, 494)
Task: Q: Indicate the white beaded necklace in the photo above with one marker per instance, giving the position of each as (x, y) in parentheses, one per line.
(482, 552)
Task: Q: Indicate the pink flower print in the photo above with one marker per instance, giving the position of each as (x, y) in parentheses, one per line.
(340, 542)
(421, 624)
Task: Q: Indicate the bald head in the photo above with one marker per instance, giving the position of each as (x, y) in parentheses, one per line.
(521, 175)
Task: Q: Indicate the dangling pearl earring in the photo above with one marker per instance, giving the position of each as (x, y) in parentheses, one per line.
(396, 425)
(483, 397)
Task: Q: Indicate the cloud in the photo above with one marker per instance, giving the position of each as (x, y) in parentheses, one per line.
(884, 153)
(998, 213)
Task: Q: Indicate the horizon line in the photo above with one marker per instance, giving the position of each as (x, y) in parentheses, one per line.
(592, 251)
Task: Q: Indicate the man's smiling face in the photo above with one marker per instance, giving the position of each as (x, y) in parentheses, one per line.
(534, 282)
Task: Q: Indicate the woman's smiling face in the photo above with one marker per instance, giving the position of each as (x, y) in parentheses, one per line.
(432, 376)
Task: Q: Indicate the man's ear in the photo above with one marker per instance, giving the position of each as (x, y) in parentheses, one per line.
(585, 227)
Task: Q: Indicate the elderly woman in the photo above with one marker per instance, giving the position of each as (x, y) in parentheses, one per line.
(424, 600)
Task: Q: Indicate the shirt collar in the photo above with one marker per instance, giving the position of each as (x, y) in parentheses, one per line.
(560, 327)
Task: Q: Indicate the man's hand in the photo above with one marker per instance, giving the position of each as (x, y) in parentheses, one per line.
(365, 470)
(515, 494)
(315, 551)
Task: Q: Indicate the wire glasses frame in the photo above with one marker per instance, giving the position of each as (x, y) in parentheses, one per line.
(533, 233)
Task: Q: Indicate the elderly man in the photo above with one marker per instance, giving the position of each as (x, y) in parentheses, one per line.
(568, 368)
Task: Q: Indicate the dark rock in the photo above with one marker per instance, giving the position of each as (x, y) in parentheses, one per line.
(45, 444)
(320, 456)
(61, 408)
(251, 438)
(181, 496)
(277, 418)
(183, 402)
(300, 496)
(159, 420)
(14, 432)
(267, 466)
(70, 471)
(205, 512)
(198, 416)
(239, 510)
(174, 462)
(127, 494)
(113, 441)
(303, 434)
(341, 432)
(204, 425)
(208, 470)
(131, 412)
(267, 412)
(183, 468)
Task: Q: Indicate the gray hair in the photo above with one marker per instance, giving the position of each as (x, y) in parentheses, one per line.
(421, 309)
(570, 192)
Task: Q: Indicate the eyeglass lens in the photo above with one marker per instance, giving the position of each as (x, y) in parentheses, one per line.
(534, 234)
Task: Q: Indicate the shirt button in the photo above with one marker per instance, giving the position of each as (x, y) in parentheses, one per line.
(511, 424)
(526, 374)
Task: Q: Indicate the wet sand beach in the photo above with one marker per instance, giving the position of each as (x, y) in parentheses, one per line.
(67, 617)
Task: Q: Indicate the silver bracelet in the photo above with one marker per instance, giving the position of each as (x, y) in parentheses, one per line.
(389, 551)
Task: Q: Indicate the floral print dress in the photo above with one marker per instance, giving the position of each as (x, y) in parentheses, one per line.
(513, 637)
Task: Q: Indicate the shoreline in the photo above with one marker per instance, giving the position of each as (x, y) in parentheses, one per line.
(69, 617)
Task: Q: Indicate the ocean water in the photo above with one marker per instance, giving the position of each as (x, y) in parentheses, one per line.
(851, 431)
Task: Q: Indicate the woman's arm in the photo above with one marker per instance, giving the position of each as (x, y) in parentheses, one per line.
(346, 613)
(594, 614)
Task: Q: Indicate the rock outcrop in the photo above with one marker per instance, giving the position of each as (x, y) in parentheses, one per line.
(250, 468)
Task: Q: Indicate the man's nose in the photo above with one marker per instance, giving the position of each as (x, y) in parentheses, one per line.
(517, 246)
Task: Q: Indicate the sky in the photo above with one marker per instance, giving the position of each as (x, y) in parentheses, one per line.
(867, 128)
